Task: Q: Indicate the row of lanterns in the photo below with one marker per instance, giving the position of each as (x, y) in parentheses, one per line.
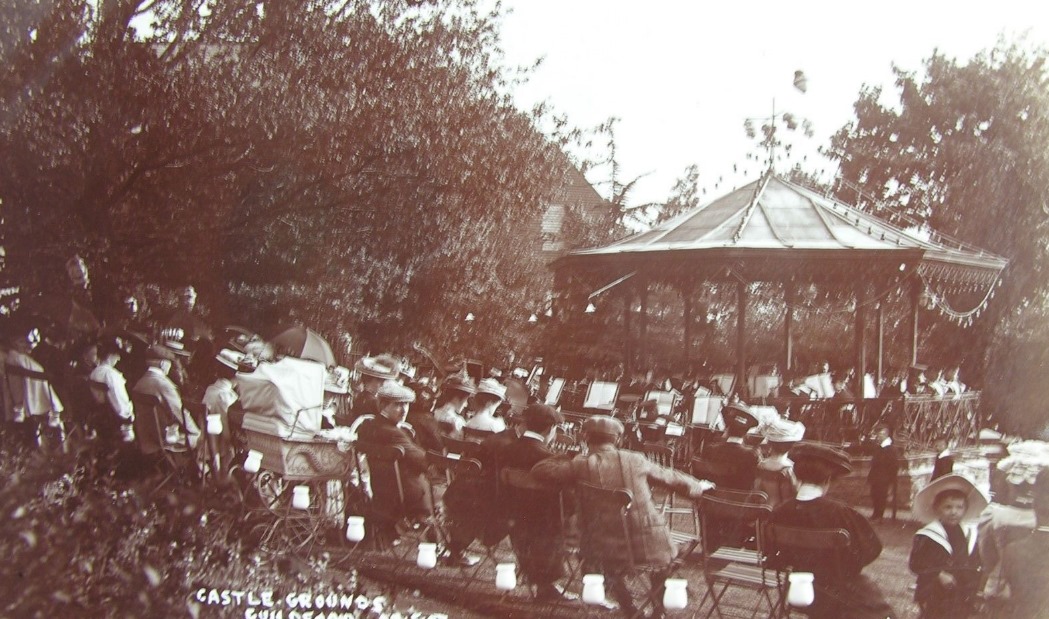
(675, 595)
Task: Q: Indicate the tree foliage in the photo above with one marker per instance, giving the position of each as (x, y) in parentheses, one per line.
(964, 148)
(355, 165)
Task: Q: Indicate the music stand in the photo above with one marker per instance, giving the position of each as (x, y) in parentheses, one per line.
(601, 395)
(664, 401)
(706, 411)
(553, 392)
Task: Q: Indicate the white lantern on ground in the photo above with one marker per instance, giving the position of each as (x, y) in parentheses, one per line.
(675, 595)
(253, 462)
(355, 528)
(593, 589)
(505, 576)
(300, 498)
(801, 593)
(427, 558)
(214, 424)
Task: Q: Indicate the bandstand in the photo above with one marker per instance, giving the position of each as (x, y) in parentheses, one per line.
(775, 231)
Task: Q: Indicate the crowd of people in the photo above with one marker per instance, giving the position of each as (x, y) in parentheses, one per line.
(107, 366)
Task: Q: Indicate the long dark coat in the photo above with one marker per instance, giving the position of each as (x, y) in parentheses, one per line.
(385, 498)
(842, 591)
(608, 467)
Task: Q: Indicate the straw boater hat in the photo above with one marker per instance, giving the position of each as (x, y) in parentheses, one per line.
(232, 359)
(603, 424)
(176, 347)
(394, 392)
(384, 367)
(781, 430)
(337, 380)
(975, 501)
(492, 387)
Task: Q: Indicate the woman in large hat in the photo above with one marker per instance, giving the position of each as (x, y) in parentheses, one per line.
(842, 591)
(490, 394)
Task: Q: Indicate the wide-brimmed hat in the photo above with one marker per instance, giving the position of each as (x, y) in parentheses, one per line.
(975, 501)
(392, 391)
(492, 387)
(176, 347)
(376, 367)
(738, 415)
(158, 352)
(603, 424)
(781, 430)
(337, 380)
(834, 460)
(458, 382)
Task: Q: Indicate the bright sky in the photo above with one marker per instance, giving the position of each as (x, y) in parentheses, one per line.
(683, 76)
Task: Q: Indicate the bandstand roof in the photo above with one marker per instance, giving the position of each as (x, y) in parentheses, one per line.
(775, 220)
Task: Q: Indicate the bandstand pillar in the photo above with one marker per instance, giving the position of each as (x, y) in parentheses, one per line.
(916, 295)
(643, 337)
(860, 335)
(788, 326)
(741, 338)
(686, 301)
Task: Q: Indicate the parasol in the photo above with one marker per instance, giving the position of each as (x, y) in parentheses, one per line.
(304, 343)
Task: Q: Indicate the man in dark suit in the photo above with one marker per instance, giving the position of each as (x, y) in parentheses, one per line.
(885, 465)
(386, 430)
(731, 464)
(155, 382)
(535, 514)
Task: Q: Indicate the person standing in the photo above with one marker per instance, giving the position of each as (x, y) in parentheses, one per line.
(885, 466)
(945, 556)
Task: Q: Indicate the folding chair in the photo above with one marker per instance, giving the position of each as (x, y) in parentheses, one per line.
(564, 443)
(149, 435)
(793, 549)
(518, 487)
(462, 448)
(391, 529)
(451, 469)
(663, 455)
(603, 511)
(732, 566)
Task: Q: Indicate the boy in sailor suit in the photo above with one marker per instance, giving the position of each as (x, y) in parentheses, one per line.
(945, 556)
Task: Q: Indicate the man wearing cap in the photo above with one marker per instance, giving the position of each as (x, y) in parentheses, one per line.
(155, 382)
(455, 391)
(607, 466)
(490, 394)
(386, 430)
(842, 591)
(373, 372)
(736, 462)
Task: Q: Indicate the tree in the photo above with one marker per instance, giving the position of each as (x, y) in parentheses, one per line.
(355, 165)
(965, 150)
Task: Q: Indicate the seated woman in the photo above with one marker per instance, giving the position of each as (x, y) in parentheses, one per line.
(490, 394)
(842, 591)
(776, 472)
